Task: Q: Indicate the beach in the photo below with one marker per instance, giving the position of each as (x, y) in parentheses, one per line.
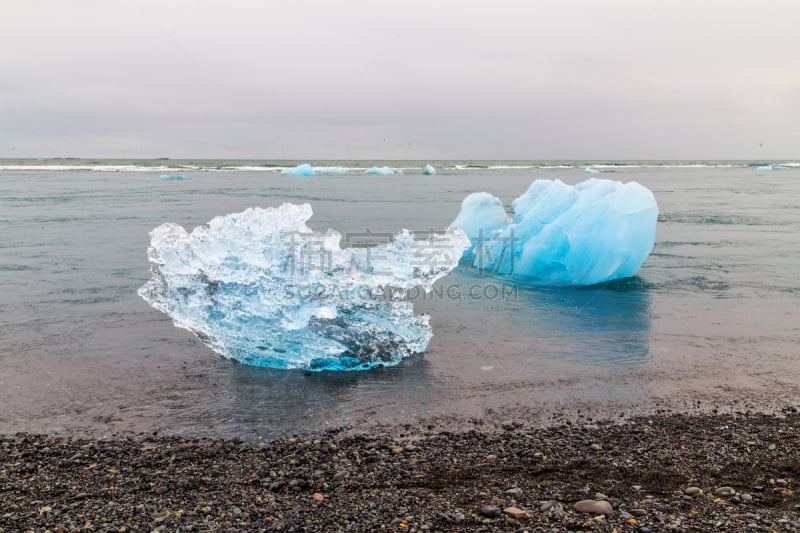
(667, 472)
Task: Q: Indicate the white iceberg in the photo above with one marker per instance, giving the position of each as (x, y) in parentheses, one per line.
(480, 216)
(595, 231)
(589, 170)
(380, 170)
(333, 171)
(429, 170)
(765, 168)
(300, 170)
(263, 288)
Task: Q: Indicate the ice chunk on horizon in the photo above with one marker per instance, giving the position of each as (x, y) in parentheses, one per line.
(765, 168)
(589, 170)
(595, 231)
(174, 177)
(429, 170)
(263, 288)
(379, 170)
(333, 171)
(300, 170)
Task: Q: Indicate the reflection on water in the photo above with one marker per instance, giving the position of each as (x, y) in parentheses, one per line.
(601, 325)
(266, 402)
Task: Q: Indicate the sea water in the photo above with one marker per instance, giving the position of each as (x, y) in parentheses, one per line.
(712, 316)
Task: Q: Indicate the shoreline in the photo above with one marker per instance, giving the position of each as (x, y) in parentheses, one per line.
(682, 471)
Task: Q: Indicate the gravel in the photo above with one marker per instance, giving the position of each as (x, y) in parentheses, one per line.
(677, 472)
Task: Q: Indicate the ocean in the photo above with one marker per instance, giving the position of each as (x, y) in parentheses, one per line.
(711, 319)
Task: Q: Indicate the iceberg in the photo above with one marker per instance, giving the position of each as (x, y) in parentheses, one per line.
(300, 170)
(264, 289)
(589, 170)
(380, 170)
(333, 171)
(765, 168)
(175, 177)
(429, 170)
(592, 232)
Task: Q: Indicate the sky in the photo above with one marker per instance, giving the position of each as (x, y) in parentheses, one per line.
(373, 79)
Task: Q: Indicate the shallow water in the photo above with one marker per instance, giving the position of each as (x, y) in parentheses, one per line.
(714, 313)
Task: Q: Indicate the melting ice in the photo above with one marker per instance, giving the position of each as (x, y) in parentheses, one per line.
(261, 287)
(595, 231)
(379, 170)
(300, 170)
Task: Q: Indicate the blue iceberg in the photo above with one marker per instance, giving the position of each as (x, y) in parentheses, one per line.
(590, 170)
(765, 168)
(380, 170)
(595, 231)
(429, 170)
(300, 170)
(263, 288)
(174, 177)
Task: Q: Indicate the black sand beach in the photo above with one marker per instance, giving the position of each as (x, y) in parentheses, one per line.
(666, 472)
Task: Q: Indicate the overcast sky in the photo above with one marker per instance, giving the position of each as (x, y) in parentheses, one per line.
(428, 79)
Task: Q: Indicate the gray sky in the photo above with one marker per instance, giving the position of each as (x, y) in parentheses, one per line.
(432, 79)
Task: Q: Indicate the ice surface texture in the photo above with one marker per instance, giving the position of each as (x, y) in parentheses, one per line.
(300, 170)
(595, 231)
(380, 170)
(261, 287)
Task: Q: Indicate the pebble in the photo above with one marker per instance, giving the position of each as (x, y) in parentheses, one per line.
(593, 507)
(515, 512)
(551, 506)
(490, 511)
(693, 491)
(514, 492)
(724, 492)
(317, 497)
(745, 497)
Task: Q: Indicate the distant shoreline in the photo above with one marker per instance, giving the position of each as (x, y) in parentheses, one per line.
(361, 165)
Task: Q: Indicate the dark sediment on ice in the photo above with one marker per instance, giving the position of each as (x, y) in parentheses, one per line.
(715, 472)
